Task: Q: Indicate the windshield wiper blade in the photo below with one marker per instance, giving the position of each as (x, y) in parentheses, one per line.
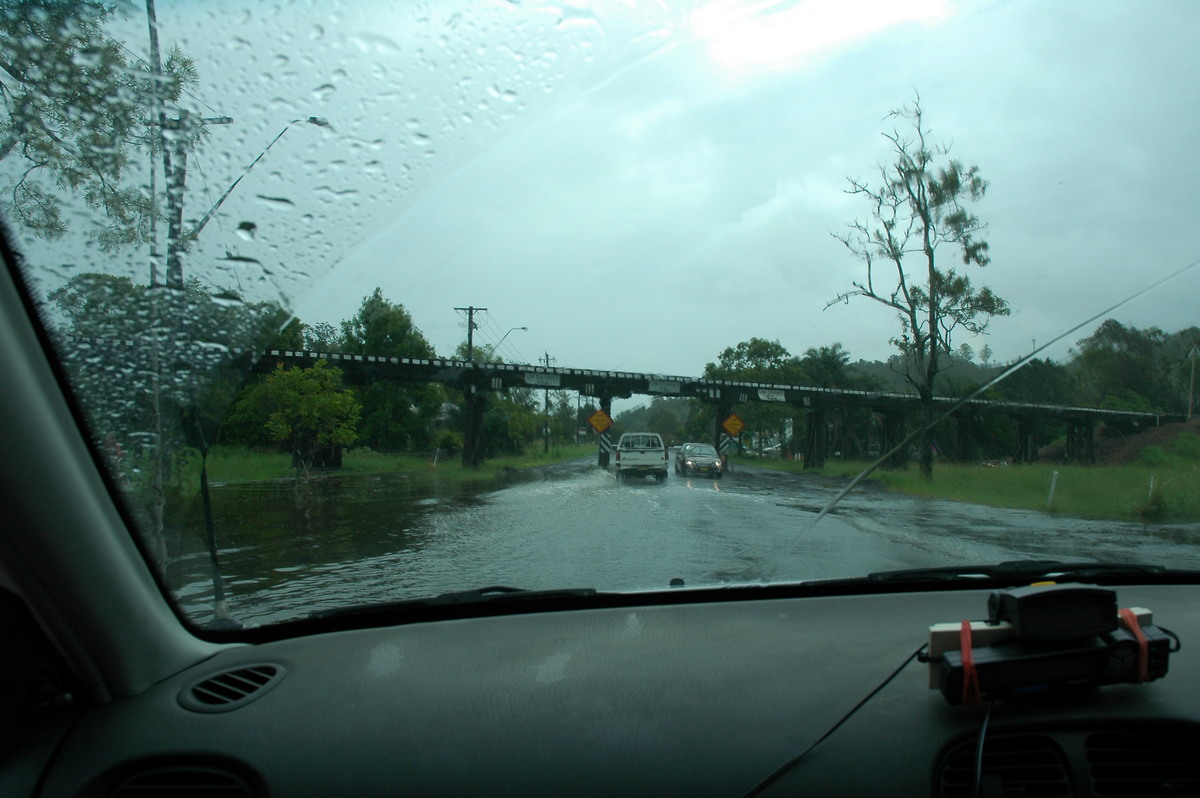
(495, 594)
(1022, 570)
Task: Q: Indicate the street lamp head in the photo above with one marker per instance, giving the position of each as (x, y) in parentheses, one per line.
(492, 349)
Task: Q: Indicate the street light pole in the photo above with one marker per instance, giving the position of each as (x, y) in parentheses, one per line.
(312, 120)
(502, 337)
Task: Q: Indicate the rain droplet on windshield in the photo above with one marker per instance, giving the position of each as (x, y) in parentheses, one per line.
(247, 230)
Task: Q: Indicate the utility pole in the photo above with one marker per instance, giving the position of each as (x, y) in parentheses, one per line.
(473, 429)
(1195, 353)
(546, 428)
(470, 311)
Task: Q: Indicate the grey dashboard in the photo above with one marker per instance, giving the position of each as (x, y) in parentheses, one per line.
(682, 699)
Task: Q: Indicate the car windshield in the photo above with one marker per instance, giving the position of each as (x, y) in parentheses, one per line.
(356, 300)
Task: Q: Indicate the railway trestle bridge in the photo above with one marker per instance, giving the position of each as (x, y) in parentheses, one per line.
(816, 405)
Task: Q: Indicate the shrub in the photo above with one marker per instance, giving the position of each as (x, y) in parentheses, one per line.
(1154, 456)
(1187, 445)
(449, 440)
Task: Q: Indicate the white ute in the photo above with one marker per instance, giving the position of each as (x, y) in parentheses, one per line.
(639, 454)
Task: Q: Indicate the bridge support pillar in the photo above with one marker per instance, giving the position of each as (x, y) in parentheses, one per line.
(473, 435)
(966, 438)
(722, 411)
(893, 433)
(1027, 450)
(605, 449)
(1081, 442)
(816, 438)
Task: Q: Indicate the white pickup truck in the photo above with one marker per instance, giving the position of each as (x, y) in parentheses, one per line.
(639, 454)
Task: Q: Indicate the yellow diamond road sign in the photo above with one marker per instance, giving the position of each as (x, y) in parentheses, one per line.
(733, 425)
(600, 421)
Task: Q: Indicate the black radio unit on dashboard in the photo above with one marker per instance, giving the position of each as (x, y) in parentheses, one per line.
(1046, 638)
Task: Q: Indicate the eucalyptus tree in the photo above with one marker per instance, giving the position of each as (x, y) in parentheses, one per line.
(77, 109)
(917, 209)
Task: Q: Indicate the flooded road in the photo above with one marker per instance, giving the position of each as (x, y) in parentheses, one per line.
(288, 548)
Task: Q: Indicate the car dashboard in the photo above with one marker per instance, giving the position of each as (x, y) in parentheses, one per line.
(710, 698)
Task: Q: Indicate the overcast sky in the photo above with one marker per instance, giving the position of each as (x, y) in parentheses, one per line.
(644, 185)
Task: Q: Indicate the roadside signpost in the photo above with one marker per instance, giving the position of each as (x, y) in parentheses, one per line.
(733, 425)
(601, 421)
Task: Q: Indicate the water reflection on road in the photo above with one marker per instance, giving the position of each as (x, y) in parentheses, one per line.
(288, 548)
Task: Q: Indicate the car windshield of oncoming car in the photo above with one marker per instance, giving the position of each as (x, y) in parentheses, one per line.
(358, 298)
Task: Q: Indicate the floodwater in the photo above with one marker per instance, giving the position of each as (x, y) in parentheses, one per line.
(290, 547)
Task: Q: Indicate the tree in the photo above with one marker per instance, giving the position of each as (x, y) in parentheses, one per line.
(758, 360)
(1125, 368)
(825, 366)
(76, 108)
(322, 337)
(158, 387)
(395, 416)
(307, 409)
(755, 360)
(916, 209)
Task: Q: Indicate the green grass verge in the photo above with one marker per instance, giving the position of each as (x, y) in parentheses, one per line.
(1121, 493)
(231, 464)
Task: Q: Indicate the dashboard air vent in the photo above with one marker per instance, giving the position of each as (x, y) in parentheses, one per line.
(1028, 765)
(183, 781)
(1128, 765)
(231, 689)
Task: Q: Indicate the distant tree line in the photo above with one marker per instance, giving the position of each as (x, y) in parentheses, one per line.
(384, 416)
(1117, 367)
(182, 360)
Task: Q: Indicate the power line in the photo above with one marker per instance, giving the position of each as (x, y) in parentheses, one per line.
(500, 336)
(142, 61)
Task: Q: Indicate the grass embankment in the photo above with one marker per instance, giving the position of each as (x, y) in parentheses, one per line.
(230, 464)
(1162, 486)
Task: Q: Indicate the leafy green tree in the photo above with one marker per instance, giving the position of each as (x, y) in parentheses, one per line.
(755, 360)
(154, 371)
(562, 417)
(1040, 381)
(827, 367)
(144, 353)
(291, 337)
(395, 416)
(322, 337)
(917, 208)
(76, 109)
(1125, 368)
(511, 423)
(758, 360)
(306, 409)
(381, 327)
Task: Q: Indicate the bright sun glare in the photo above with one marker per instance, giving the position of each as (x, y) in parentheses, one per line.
(778, 34)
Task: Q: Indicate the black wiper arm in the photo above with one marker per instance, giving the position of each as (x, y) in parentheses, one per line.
(1021, 570)
(495, 594)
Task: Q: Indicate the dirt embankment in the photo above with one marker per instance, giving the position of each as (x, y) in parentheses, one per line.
(1114, 448)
